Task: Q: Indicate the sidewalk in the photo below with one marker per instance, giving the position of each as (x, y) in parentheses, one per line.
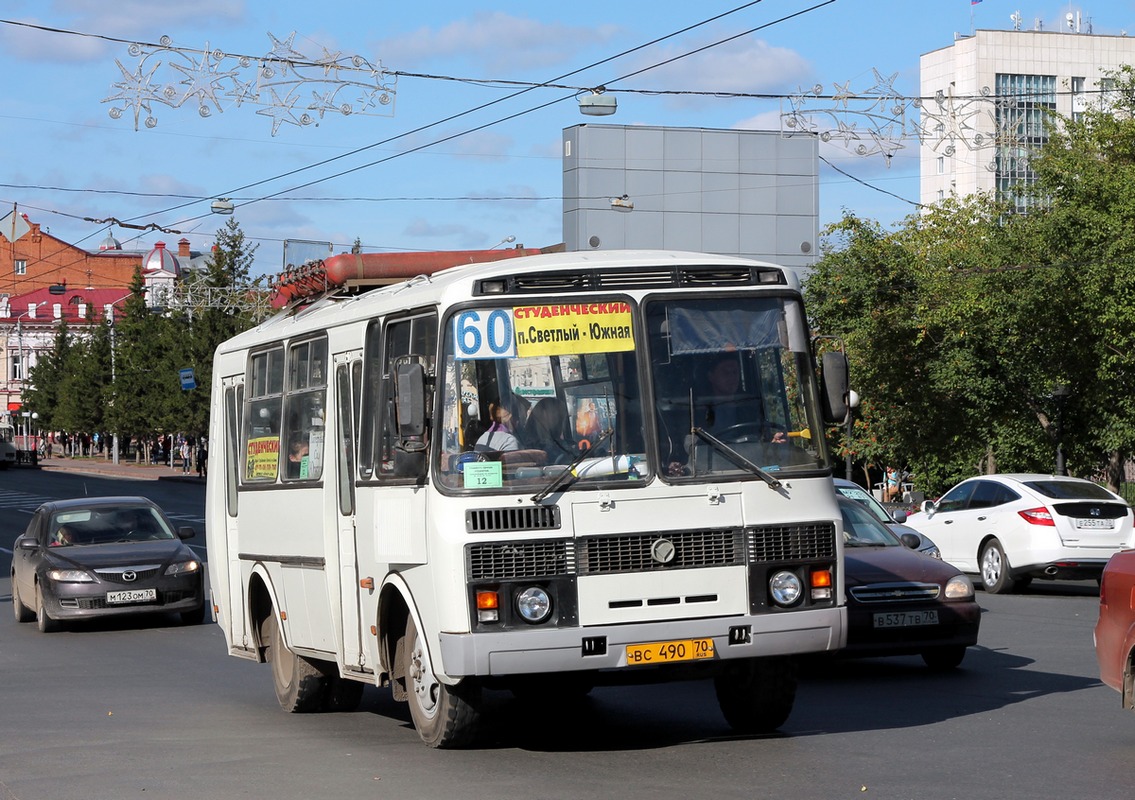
(125, 468)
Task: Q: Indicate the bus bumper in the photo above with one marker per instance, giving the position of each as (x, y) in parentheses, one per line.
(519, 652)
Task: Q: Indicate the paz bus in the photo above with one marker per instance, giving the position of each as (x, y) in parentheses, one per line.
(509, 476)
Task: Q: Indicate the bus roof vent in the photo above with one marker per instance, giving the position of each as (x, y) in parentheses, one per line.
(659, 277)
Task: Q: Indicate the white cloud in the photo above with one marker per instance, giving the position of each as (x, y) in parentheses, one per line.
(502, 44)
(745, 65)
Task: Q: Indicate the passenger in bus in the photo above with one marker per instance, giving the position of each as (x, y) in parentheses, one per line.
(545, 431)
(297, 457)
(500, 436)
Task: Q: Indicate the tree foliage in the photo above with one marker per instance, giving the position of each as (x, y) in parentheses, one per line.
(124, 377)
(962, 323)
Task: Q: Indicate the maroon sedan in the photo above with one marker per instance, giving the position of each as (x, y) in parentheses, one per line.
(1115, 630)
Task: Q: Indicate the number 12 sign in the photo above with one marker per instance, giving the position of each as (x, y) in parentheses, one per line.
(484, 333)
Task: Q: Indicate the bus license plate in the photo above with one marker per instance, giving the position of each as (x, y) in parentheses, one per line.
(669, 652)
(132, 596)
(905, 619)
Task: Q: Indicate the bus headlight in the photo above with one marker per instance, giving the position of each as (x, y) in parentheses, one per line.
(785, 588)
(533, 604)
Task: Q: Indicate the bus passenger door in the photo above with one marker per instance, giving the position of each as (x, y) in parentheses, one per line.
(348, 390)
(225, 451)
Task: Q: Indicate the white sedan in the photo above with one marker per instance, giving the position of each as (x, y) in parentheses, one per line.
(1013, 528)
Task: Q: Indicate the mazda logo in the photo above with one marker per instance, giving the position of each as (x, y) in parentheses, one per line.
(129, 575)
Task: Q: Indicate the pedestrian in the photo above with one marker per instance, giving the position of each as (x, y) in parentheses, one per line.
(202, 458)
(186, 451)
(892, 489)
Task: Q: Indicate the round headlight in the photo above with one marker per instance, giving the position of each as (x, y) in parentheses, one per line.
(785, 588)
(534, 604)
(959, 587)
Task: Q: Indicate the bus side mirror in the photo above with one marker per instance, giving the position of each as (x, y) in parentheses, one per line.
(410, 411)
(835, 386)
(410, 389)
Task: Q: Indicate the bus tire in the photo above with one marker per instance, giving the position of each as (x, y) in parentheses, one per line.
(445, 716)
(299, 685)
(756, 695)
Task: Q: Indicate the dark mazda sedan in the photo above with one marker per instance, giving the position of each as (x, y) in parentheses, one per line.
(104, 556)
(900, 602)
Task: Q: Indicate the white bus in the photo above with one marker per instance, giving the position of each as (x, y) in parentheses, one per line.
(619, 522)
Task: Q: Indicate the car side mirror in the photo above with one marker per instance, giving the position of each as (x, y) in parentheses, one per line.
(28, 544)
(186, 532)
(899, 516)
(928, 508)
(913, 541)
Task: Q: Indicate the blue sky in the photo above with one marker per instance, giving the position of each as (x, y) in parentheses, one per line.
(422, 174)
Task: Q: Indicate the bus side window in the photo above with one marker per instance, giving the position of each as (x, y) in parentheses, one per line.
(305, 403)
(414, 336)
(265, 384)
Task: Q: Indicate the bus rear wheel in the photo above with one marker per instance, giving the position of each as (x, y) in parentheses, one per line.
(756, 695)
(299, 685)
(444, 715)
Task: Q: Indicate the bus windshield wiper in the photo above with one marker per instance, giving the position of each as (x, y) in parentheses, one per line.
(734, 456)
(569, 472)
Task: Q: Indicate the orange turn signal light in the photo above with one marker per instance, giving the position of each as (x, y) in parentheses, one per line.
(487, 600)
(821, 578)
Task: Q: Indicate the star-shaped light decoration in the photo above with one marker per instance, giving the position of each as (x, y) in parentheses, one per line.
(280, 110)
(204, 80)
(136, 91)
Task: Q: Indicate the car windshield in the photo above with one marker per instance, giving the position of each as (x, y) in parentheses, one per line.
(107, 524)
(1070, 490)
(860, 528)
(860, 495)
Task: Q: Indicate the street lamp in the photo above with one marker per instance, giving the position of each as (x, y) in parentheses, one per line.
(852, 402)
(1060, 396)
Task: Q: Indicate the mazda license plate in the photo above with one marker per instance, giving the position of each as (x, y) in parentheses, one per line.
(132, 596)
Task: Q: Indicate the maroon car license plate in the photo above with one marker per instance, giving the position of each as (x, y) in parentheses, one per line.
(905, 619)
(132, 596)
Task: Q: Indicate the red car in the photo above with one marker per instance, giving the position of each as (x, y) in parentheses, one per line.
(1115, 630)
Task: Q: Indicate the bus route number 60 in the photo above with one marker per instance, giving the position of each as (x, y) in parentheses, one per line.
(484, 333)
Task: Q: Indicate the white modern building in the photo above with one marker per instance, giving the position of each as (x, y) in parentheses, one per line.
(985, 100)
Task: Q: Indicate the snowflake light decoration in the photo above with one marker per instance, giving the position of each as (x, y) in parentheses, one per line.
(288, 87)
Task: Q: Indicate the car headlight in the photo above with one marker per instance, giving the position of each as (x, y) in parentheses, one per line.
(959, 587)
(785, 588)
(183, 567)
(70, 576)
(933, 552)
(534, 604)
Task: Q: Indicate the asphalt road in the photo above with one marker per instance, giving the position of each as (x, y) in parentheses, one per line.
(148, 709)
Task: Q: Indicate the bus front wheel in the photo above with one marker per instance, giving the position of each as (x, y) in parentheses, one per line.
(445, 715)
(299, 685)
(756, 695)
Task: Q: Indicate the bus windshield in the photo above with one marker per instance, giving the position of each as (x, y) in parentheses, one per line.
(733, 389)
(529, 391)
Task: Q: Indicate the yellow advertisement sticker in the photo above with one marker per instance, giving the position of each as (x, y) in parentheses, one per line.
(262, 461)
(567, 328)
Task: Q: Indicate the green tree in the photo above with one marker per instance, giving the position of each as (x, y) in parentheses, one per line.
(44, 390)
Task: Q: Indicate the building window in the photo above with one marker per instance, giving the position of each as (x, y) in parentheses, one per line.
(1079, 100)
(941, 165)
(21, 266)
(1023, 104)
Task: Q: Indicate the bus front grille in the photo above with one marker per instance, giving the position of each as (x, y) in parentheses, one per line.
(803, 542)
(639, 552)
(499, 561)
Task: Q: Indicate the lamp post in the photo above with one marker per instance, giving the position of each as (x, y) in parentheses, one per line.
(1059, 399)
(852, 402)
